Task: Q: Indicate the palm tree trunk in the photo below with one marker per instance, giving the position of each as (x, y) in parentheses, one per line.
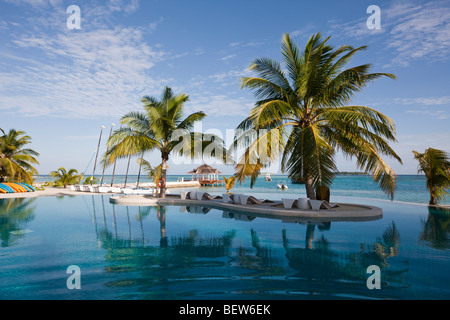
(309, 236)
(310, 192)
(165, 158)
(433, 201)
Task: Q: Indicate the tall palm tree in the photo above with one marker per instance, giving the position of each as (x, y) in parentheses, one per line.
(305, 109)
(435, 164)
(16, 162)
(65, 177)
(161, 126)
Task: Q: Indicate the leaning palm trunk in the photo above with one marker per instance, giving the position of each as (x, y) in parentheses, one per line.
(305, 109)
(435, 164)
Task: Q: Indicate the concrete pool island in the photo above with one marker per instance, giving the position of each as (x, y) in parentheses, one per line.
(286, 208)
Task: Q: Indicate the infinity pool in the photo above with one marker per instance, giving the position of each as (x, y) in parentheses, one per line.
(200, 253)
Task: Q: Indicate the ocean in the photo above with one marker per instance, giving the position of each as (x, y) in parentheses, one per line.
(411, 188)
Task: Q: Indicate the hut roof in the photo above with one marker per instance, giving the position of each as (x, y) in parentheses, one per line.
(204, 169)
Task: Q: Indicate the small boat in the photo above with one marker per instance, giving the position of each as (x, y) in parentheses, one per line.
(268, 178)
(282, 185)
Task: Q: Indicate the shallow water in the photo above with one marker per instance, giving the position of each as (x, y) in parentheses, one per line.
(200, 253)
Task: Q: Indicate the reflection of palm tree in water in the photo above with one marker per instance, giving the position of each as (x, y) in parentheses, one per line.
(159, 264)
(436, 228)
(317, 260)
(14, 213)
(161, 215)
(261, 260)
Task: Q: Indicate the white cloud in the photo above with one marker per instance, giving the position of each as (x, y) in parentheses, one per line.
(439, 114)
(231, 56)
(421, 32)
(80, 74)
(427, 101)
(221, 105)
(412, 30)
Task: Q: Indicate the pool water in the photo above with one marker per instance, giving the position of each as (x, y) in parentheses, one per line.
(194, 253)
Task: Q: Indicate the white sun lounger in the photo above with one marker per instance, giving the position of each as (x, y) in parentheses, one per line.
(200, 195)
(226, 198)
(321, 204)
(194, 195)
(243, 199)
(104, 189)
(303, 203)
(288, 203)
(315, 204)
(127, 190)
(116, 190)
(142, 191)
(236, 198)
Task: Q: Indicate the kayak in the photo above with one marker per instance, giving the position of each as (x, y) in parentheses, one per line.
(8, 189)
(32, 189)
(16, 187)
(26, 187)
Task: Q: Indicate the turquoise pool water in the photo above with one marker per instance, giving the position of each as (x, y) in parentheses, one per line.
(200, 253)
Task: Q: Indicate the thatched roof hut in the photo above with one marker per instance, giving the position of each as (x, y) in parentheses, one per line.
(205, 172)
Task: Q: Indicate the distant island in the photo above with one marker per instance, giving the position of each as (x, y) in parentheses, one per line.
(346, 173)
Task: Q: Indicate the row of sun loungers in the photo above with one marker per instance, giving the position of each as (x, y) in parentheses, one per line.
(242, 199)
(104, 189)
(305, 204)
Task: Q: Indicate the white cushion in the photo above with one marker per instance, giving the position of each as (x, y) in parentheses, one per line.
(315, 204)
(303, 203)
(243, 199)
(287, 203)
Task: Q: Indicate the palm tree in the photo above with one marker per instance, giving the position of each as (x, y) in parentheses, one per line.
(435, 164)
(161, 126)
(229, 183)
(16, 162)
(65, 177)
(302, 116)
(153, 173)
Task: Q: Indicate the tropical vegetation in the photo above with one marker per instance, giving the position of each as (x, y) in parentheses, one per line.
(65, 178)
(16, 160)
(160, 127)
(229, 183)
(435, 164)
(153, 173)
(302, 117)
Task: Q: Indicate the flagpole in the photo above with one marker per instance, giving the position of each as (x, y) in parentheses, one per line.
(96, 156)
(114, 169)
(107, 149)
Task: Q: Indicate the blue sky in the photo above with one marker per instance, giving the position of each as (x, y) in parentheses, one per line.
(61, 85)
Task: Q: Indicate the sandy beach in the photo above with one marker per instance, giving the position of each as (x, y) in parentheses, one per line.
(60, 191)
(48, 192)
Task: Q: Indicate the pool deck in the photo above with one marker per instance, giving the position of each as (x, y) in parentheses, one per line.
(345, 212)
